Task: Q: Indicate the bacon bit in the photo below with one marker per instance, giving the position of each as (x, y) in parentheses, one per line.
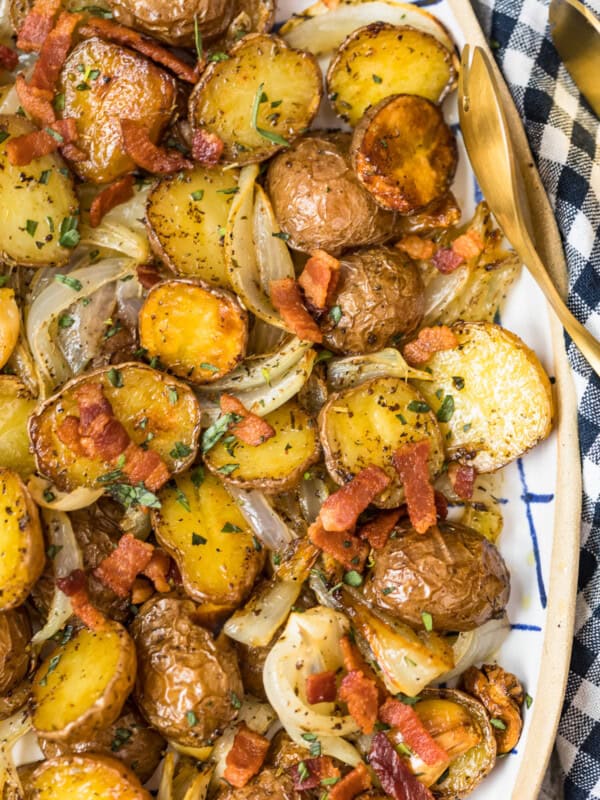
(107, 29)
(428, 342)
(319, 279)
(416, 247)
(351, 784)
(321, 687)
(446, 260)
(73, 153)
(415, 734)
(342, 508)
(393, 772)
(75, 587)
(462, 479)
(362, 697)
(118, 571)
(36, 102)
(469, 245)
(115, 194)
(141, 591)
(353, 659)
(207, 147)
(251, 429)
(378, 530)
(37, 25)
(148, 275)
(139, 147)
(68, 433)
(441, 505)
(246, 756)
(411, 463)
(22, 150)
(341, 545)
(8, 58)
(318, 769)
(54, 52)
(285, 296)
(159, 570)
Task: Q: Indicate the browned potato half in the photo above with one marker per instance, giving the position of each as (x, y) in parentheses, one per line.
(404, 153)
(500, 402)
(10, 324)
(380, 60)
(212, 544)
(31, 222)
(16, 404)
(122, 85)
(198, 333)
(259, 99)
(15, 633)
(85, 777)
(319, 202)
(249, 16)
(153, 407)
(185, 217)
(22, 554)
(277, 464)
(82, 686)
(269, 784)
(368, 423)
(174, 22)
(379, 295)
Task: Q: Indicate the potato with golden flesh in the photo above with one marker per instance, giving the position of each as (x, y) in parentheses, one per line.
(270, 783)
(85, 777)
(198, 333)
(15, 634)
(120, 85)
(16, 404)
(188, 685)
(174, 22)
(10, 324)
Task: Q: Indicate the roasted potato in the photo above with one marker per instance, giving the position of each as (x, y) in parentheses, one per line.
(188, 685)
(17, 404)
(185, 215)
(249, 16)
(439, 215)
(270, 783)
(118, 84)
(85, 777)
(404, 153)
(368, 423)
(22, 553)
(451, 573)
(200, 525)
(379, 295)
(82, 686)
(502, 696)
(174, 23)
(500, 397)
(199, 333)
(10, 324)
(277, 464)
(15, 634)
(30, 225)
(152, 406)
(318, 201)
(259, 99)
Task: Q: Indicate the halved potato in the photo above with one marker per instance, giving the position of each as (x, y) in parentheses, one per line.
(277, 464)
(185, 217)
(379, 60)
(22, 552)
(16, 404)
(82, 686)
(156, 410)
(120, 85)
(500, 402)
(10, 324)
(259, 99)
(213, 545)
(30, 223)
(404, 153)
(198, 333)
(368, 423)
(85, 777)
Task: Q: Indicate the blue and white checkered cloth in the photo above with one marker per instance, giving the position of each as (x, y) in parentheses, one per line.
(564, 135)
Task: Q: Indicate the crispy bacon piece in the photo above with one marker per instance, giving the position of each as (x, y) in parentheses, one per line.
(342, 508)
(118, 570)
(318, 769)
(75, 587)
(361, 695)
(68, 433)
(469, 245)
(159, 569)
(416, 247)
(73, 153)
(462, 479)
(206, 148)
(378, 530)
(54, 52)
(36, 102)
(148, 275)
(411, 463)
(354, 662)
(115, 194)
(405, 719)
(446, 260)
(341, 545)
(321, 687)
(393, 772)
(441, 505)
(37, 25)
(22, 150)
(428, 342)
(319, 279)
(8, 58)
(107, 29)
(251, 429)
(351, 784)
(246, 756)
(285, 296)
(139, 147)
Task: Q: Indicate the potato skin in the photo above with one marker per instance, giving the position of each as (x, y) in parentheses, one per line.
(380, 295)
(15, 633)
(451, 572)
(318, 200)
(183, 669)
(173, 22)
(85, 776)
(268, 784)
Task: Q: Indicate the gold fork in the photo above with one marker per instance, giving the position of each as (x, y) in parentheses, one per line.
(488, 143)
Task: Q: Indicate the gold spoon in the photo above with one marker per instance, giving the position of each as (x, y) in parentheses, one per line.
(487, 140)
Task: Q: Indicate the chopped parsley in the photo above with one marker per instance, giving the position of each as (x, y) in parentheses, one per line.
(446, 410)
(197, 476)
(65, 321)
(53, 550)
(271, 136)
(217, 430)
(218, 56)
(69, 235)
(72, 283)
(335, 315)
(49, 496)
(133, 496)
(192, 719)
(229, 527)
(197, 539)
(303, 771)
(122, 736)
(235, 700)
(197, 195)
(353, 578)
(115, 377)
(377, 79)
(497, 723)
(172, 395)
(182, 499)
(418, 407)
(205, 365)
(528, 700)
(53, 664)
(281, 235)
(31, 227)
(180, 450)
(227, 469)
(4, 135)
(427, 621)
(459, 383)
